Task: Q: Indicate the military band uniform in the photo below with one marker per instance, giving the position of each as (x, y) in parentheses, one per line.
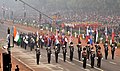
(64, 52)
(106, 49)
(99, 57)
(49, 54)
(56, 54)
(92, 58)
(37, 55)
(71, 51)
(79, 50)
(84, 57)
(112, 50)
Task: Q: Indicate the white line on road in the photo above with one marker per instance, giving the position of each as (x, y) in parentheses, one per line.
(23, 63)
(112, 62)
(82, 62)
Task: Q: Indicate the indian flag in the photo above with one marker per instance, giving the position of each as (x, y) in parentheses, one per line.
(16, 36)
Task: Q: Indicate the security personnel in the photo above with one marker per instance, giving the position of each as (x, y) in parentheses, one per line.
(106, 49)
(88, 50)
(79, 50)
(92, 57)
(84, 57)
(99, 57)
(64, 52)
(49, 54)
(113, 49)
(71, 51)
(56, 54)
(37, 55)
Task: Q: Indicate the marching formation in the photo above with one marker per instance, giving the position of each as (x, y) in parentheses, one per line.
(56, 44)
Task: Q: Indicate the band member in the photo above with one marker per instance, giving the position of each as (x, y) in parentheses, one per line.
(113, 49)
(57, 43)
(79, 50)
(88, 50)
(106, 49)
(84, 57)
(97, 46)
(37, 55)
(49, 54)
(56, 54)
(64, 52)
(71, 51)
(99, 57)
(92, 57)
(32, 42)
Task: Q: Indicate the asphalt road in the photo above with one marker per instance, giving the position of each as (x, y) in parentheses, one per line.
(29, 59)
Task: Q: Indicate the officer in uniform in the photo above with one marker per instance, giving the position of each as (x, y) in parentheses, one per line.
(64, 52)
(106, 49)
(99, 57)
(113, 49)
(97, 46)
(49, 54)
(71, 51)
(92, 57)
(84, 57)
(56, 54)
(79, 50)
(37, 55)
(32, 42)
(88, 50)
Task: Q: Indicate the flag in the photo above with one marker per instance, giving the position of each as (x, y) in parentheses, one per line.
(96, 36)
(113, 34)
(106, 34)
(91, 41)
(17, 38)
(87, 34)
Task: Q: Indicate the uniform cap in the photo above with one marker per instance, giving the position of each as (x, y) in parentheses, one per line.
(71, 42)
(84, 48)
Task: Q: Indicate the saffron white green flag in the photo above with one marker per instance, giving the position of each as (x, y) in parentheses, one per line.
(17, 38)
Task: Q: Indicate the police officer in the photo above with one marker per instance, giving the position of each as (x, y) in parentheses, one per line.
(49, 54)
(106, 49)
(99, 57)
(71, 51)
(84, 57)
(79, 50)
(37, 55)
(88, 50)
(56, 54)
(92, 57)
(64, 52)
(113, 49)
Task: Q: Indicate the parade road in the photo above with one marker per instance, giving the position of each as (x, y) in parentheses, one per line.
(28, 58)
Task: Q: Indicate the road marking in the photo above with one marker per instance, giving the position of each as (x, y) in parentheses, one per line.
(87, 69)
(82, 62)
(66, 60)
(23, 63)
(112, 62)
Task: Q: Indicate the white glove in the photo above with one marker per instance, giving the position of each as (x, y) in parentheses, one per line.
(87, 59)
(102, 58)
(82, 58)
(96, 57)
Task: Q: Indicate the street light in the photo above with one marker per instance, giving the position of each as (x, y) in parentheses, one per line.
(35, 9)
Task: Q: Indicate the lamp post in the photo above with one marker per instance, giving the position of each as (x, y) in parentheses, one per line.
(35, 9)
